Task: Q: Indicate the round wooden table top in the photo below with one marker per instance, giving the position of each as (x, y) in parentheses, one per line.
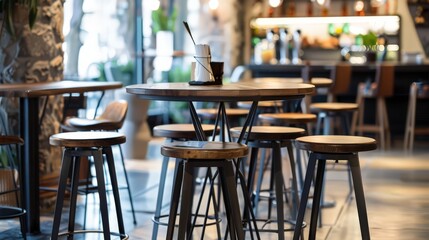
(240, 91)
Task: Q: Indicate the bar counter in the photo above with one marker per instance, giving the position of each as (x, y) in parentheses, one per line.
(405, 74)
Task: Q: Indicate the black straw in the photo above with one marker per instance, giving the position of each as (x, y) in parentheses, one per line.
(189, 31)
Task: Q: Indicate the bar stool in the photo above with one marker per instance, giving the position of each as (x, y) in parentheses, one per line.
(341, 76)
(194, 154)
(418, 90)
(10, 205)
(332, 147)
(112, 119)
(301, 120)
(172, 133)
(274, 138)
(381, 89)
(87, 144)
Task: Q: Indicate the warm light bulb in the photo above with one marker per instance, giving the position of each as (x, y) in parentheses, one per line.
(214, 4)
(275, 3)
(359, 5)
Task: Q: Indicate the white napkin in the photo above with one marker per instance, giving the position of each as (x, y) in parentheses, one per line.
(203, 70)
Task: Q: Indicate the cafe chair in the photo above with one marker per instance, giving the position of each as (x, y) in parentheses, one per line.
(379, 90)
(201, 154)
(111, 119)
(418, 91)
(96, 145)
(273, 138)
(172, 133)
(325, 148)
(10, 180)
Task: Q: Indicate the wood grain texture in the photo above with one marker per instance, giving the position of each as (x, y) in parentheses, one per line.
(263, 104)
(184, 131)
(204, 150)
(270, 133)
(240, 91)
(333, 107)
(336, 143)
(87, 139)
(282, 118)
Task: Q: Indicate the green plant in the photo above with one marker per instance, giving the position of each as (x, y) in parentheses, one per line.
(369, 40)
(8, 9)
(161, 21)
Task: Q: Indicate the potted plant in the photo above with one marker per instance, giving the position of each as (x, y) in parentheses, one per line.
(369, 40)
(163, 25)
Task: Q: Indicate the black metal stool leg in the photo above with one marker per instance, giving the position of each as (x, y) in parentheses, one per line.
(317, 197)
(279, 185)
(360, 196)
(304, 197)
(295, 194)
(160, 196)
(175, 197)
(98, 163)
(229, 180)
(62, 184)
(127, 181)
(115, 188)
(73, 194)
(186, 207)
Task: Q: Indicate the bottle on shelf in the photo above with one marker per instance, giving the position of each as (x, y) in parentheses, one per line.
(284, 46)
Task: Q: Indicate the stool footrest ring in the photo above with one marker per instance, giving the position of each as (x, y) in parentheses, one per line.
(122, 236)
(212, 218)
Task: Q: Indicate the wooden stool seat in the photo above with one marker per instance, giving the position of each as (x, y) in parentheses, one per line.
(287, 118)
(262, 104)
(87, 139)
(332, 148)
(270, 133)
(336, 143)
(321, 82)
(204, 150)
(333, 107)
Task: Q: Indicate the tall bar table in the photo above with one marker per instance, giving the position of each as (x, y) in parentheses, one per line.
(228, 92)
(29, 94)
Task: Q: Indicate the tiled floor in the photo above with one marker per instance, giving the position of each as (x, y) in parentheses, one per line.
(396, 187)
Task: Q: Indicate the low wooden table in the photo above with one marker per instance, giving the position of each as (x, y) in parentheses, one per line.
(29, 94)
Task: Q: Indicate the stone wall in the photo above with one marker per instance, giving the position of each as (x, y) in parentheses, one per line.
(36, 55)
